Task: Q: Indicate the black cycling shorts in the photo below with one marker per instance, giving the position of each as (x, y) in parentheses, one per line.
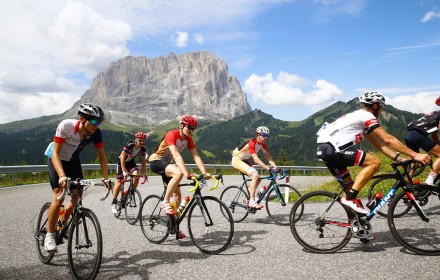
(130, 166)
(159, 166)
(72, 169)
(338, 162)
(415, 140)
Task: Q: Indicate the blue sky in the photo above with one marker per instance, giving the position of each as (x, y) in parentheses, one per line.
(292, 58)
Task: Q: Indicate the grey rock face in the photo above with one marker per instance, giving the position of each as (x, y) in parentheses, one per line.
(142, 91)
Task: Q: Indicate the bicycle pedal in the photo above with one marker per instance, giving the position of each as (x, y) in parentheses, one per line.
(368, 239)
(252, 210)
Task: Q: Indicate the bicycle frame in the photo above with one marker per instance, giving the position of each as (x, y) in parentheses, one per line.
(273, 184)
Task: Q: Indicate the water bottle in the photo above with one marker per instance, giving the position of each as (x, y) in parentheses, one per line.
(62, 217)
(263, 188)
(183, 204)
(375, 201)
(125, 192)
(173, 204)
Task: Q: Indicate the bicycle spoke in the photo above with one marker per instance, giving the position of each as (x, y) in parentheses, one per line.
(237, 202)
(279, 204)
(154, 221)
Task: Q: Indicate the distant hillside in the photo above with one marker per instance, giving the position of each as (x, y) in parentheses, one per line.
(24, 142)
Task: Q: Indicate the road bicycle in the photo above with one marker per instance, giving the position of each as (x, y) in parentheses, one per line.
(210, 226)
(130, 200)
(84, 246)
(326, 226)
(279, 198)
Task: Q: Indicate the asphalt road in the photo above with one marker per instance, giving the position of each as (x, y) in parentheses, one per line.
(259, 250)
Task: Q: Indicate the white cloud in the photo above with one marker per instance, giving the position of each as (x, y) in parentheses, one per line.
(430, 16)
(420, 102)
(199, 38)
(180, 39)
(287, 90)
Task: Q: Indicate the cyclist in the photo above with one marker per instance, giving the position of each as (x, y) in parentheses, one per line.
(422, 134)
(336, 141)
(126, 164)
(168, 162)
(242, 154)
(71, 137)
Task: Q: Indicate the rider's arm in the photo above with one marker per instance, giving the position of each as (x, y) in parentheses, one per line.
(56, 161)
(258, 161)
(269, 159)
(122, 158)
(178, 159)
(103, 162)
(198, 160)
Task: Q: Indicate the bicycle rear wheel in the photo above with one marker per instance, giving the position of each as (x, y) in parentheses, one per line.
(40, 234)
(208, 227)
(84, 249)
(416, 235)
(237, 201)
(382, 185)
(279, 213)
(154, 221)
(320, 223)
(133, 206)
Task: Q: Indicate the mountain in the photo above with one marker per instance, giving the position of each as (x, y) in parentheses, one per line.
(137, 91)
(290, 143)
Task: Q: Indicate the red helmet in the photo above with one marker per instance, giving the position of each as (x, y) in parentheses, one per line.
(189, 121)
(141, 135)
(437, 101)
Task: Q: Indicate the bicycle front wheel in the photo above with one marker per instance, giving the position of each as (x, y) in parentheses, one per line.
(153, 220)
(287, 195)
(40, 234)
(133, 206)
(208, 227)
(237, 201)
(320, 223)
(84, 249)
(410, 230)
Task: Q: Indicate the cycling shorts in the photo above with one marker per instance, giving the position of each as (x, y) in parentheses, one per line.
(338, 162)
(130, 166)
(159, 166)
(415, 140)
(242, 166)
(72, 169)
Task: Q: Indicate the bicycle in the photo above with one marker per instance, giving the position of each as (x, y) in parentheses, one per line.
(208, 227)
(130, 200)
(279, 198)
(324, 225)
(84, 247)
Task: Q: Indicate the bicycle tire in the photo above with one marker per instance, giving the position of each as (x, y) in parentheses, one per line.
(314, 233)
(133, 207)
(237, 201)
(84, 247)
(410, 230)
(210, 238)
(40, 234)
(382, 185)
(279, 213)
(154, 222)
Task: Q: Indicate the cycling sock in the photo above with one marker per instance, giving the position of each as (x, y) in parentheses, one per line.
(431, 177)
(351, 194)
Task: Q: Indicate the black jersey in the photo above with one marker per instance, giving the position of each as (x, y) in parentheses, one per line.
(133, 152)
(426, 124)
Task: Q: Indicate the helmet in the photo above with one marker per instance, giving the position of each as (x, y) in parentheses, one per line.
(141, 135)
(89, 110)
(372, 97)
(189, 121)
(262, 129)
(437, 101)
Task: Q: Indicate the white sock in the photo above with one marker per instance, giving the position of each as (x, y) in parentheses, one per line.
(431, 177)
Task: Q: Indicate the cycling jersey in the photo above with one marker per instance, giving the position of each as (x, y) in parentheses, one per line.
(172, 137)
(132, 152)
(348, 130)
(250, 147)
(426, 124)
(67, 133)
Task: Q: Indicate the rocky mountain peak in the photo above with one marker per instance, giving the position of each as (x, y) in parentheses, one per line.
(143, 91)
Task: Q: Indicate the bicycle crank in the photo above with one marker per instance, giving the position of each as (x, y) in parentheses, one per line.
(361, 230)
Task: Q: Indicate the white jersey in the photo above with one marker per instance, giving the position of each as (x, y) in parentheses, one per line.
(348, 130)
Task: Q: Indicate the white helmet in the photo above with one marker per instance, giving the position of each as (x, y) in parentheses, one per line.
(262, 129)
(372, 97)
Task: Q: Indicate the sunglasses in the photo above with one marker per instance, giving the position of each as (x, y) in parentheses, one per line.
(141, 140)
(95, 122)
(264, 135)
(190, 127)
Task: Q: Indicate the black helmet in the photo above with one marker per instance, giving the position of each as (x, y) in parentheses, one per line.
(91, 111)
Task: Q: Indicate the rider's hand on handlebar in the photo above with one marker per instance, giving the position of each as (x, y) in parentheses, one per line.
(145, 176)
(125, 173)
(423, 158)
(207, 176)
(62, 181)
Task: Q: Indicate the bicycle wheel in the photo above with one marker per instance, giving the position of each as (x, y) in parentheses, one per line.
(382, 185)
(416, 235)
(320, 223)
(237, 201)
(40, 234)
(279, 213)
(133, 206)
(84, 248)
(208, 227)
(154, 221)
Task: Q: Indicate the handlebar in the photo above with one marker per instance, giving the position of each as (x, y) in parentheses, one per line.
(200, 179)
(136, 176)
(80, 183)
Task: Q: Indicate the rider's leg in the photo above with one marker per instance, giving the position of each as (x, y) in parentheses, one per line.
(136, 179)
(117, 189)
(435, 166)
(369, 167)
(254, 183)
